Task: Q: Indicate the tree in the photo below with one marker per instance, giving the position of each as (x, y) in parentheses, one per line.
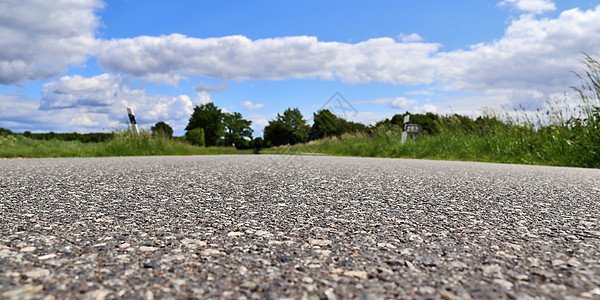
(289, 128)
(195, 136)
(429, 122)
(6, 132)
(162, 129)
(348, 126)
(210, 118)
(238, 131)
(258, 143)
(325, 123)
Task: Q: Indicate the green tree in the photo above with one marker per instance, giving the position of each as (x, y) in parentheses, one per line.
(195, 136)
(238, 131)
(276, 134)
(258, 143)
(6, 132)
(210, 118)
(163, 129)
(325, 123)
(289, 128)
(348, 126)
(429, 122)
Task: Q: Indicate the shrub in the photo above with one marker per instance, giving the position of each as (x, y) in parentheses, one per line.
(196, 136)
(162, 128)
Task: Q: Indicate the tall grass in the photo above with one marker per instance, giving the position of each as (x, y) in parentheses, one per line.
(124, 143)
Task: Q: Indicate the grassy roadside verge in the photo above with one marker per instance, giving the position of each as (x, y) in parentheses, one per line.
(572, 142)
(444, 146)
(124, 144)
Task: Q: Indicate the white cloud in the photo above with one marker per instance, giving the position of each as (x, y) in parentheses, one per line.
(41, 38)
(400, 103)
(410, 38)
(251, 106)
(204, 97)
(529, 6)
(84, 120)
(21, 114)
(239, 58)
(101, 99)
(426, 108)
(97, 93)
(534, 54)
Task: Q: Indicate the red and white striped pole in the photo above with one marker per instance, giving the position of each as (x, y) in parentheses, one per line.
(132, 120)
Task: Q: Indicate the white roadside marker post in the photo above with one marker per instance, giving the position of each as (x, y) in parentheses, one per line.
(132, 120)
(404, 127)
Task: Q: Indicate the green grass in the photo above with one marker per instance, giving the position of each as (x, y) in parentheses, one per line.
(518, 145)
(125, 143)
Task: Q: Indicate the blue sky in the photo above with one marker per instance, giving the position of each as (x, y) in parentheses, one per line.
(75, 65)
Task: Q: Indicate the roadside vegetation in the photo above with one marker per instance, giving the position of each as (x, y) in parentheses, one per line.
(565, 133)
(124, 143)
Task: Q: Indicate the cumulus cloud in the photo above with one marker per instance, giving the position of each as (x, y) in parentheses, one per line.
(108, 95)
(204, 97)
(94, 93)
(534, 54)
(41, 38)
(248, 105)
(400, 103)
(529, 6)
(427, 108)
(21, 113)
(239, 58)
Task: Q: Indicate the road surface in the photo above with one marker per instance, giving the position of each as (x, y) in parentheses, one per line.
(261, 226)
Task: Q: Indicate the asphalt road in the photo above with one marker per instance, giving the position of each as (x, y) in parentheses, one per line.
(296, 227)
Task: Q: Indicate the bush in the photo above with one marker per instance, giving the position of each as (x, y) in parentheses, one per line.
(162, 128)
(196, 136)
(5, 132)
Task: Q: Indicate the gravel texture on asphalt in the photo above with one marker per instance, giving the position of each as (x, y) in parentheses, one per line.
(262, 226)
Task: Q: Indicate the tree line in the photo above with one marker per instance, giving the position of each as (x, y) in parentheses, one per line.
(95, 137)
(211, 126)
